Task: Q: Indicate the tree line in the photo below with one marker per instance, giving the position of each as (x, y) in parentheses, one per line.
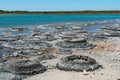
(61, 12)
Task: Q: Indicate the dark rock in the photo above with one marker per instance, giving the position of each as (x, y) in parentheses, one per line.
(17, 78)
(77, 63)
(64, 51)
(46, 57)
(36, 34)
(75, 43)
(48, 45)
(68, 35)
(23, 52)
(98, 37)
(7, 76)
(20, 44)
(24, 67)
(112, 31)
(20, 29)
(111, 28)
(113, 34)
(21, 36)
(4, 57)
(8, 39)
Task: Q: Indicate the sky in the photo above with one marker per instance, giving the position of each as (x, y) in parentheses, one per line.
(59, 5)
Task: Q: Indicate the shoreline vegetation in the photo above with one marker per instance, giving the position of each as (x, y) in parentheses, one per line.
(61, 12)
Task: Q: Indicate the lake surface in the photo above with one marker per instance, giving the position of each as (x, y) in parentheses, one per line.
(14, 20)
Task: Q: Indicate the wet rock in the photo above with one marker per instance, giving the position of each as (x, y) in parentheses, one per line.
(113, 34)
(23, 53)
(27, 52)
(20, 44)
(19, 29)
(7, 39)
(78, 30)
(24, 67)
(32, 40)
(77, 63)
(111, 28)
(39, 45)
(68, 35)
(64, 51)
(61, 28)
(48, 37)
(46, 57)
(36, 34)
(4, 57)
(4, 54)
(80, 43)
(7, 76)
(37, 29)
(113, 31)
(99, 36)
(43, 38)
(22, 36)
(48, 45)
(26, 44)
(17, 78)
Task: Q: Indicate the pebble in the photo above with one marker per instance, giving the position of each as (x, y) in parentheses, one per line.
(110, 65)
(85, 72)
(101, 73)
(106, 49)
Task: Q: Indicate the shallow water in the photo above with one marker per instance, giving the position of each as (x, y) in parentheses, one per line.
(33, 20)
(28, 20)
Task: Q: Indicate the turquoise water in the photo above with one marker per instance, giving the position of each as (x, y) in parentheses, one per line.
(14, 20)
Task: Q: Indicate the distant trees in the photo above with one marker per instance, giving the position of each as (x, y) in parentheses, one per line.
(61, 12)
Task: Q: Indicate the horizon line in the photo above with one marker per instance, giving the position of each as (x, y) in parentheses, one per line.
(62, 12)
(58, 10)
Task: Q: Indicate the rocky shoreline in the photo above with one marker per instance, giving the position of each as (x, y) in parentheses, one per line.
(68, 51)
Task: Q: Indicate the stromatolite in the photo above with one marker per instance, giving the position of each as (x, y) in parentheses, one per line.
(77, 63)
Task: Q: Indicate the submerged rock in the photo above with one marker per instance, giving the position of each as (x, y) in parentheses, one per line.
(68, 35)
(97, 37)
(77, 63)
(19, 29)
(78, 30)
